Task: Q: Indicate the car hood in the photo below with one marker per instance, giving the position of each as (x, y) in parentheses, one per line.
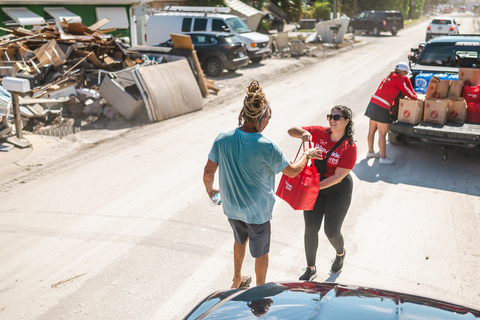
(254, 36)
(320, 301)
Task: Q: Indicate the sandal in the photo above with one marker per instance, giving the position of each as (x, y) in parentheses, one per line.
(246, 280)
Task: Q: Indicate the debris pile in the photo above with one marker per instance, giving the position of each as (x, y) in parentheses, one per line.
(65, 64)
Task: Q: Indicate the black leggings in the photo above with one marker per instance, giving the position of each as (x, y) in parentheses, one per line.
(333, 203)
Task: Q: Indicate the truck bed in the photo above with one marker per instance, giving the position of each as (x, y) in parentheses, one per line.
(466, 135)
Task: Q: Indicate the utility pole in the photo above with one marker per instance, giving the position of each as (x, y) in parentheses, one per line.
(355, 8)
(334, 9)
(412, 9)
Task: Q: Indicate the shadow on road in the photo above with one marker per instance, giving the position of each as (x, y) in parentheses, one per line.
(422, 165)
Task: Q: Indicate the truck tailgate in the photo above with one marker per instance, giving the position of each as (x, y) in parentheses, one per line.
(450, 133)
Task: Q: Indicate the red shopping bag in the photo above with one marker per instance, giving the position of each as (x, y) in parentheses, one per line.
(300, 192)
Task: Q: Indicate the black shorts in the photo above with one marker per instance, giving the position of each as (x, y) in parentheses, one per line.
(258, 234)
(377, 113)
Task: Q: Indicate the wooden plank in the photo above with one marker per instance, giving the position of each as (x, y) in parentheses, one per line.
(91, 57)
(213, 88)
(202, 84)
(181, 41)
(97, 25)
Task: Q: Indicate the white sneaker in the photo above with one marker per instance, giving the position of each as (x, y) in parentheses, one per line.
(373, 155)
(386, 161)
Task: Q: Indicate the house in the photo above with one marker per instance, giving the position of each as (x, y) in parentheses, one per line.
(127, 17)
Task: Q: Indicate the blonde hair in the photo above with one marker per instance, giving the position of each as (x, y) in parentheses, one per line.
(254, 105)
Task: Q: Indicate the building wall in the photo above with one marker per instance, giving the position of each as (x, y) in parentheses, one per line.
(86, 12)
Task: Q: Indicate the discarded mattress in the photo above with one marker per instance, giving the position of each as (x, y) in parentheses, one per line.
(168, 89)
(121, 92)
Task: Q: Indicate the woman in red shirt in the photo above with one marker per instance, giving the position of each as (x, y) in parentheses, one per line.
(336, 185)
(378, 109)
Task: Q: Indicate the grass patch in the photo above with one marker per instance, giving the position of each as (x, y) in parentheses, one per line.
(304, 30)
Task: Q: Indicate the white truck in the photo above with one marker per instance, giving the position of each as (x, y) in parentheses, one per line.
(180, 20)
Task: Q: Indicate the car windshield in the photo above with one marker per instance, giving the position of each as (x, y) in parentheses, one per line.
(441, 21)
(463, 54)
(232, 39)
(238, 25)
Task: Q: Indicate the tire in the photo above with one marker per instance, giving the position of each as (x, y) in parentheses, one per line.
(350, 29)
(396, 138)
(427, 38)
(214, 67)
(394, 32)
(256, 60)
(375, 31)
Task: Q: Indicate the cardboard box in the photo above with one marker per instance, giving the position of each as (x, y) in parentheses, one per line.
(435, 111)
(410, 111)
(457, 110)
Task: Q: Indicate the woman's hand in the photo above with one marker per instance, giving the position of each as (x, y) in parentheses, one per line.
(315, 153)
(306, 136)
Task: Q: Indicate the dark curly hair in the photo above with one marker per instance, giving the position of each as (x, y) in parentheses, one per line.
(347, 114)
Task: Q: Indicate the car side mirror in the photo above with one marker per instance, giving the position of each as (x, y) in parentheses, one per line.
(226, 29)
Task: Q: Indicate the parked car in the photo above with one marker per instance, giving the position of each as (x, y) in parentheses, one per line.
(462, 9)
(316, 300)
(160, 25)
(441, 26)
(276, 23)
(375, 22)
(217, 52)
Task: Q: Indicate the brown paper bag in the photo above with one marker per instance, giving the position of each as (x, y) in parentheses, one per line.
(455, 89)
(457, 110)
(469, 76)
(435, 111)
(437, 89)
(410, 111)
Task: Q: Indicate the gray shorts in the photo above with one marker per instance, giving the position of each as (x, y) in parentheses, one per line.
(259, 235)
(377, 113)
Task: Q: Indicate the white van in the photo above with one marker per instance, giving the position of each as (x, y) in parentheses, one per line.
(161, 25)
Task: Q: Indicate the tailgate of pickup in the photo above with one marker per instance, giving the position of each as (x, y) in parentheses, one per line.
(450, 133)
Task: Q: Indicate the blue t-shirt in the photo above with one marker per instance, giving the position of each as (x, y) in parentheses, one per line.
(247, 165)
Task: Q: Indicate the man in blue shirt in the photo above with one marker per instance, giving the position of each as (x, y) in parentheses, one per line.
(247, 163)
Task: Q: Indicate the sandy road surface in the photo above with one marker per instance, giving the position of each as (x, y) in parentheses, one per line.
(123, 229)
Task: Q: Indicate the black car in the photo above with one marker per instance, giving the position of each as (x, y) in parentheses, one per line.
(320, 301)
(375, 22)
(217, 52)
(276, 23)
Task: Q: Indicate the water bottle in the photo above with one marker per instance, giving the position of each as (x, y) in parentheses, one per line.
(216, 200)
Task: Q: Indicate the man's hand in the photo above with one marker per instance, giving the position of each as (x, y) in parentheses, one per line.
(306, 136)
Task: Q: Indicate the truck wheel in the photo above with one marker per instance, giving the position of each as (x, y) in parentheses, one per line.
(214, 67)
(375, 31)
(256, 60)
(396, 138)
(394, 32)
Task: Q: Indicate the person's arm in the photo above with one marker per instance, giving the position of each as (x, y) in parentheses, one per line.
(298, 132)
(407, 88)
(314, 153)
(295, 168)
(337, 177)
(209, 176)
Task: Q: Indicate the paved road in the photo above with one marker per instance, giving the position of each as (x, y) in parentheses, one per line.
(124, 230)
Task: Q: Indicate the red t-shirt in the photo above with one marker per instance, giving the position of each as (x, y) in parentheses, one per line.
(344, 156)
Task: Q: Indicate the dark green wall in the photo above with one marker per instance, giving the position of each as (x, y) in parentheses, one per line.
(87, 12)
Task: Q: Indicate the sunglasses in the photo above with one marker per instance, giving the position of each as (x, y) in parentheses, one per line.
(335, 117)
(266, 108)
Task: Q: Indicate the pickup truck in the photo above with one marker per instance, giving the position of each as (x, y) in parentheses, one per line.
(443, 55)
